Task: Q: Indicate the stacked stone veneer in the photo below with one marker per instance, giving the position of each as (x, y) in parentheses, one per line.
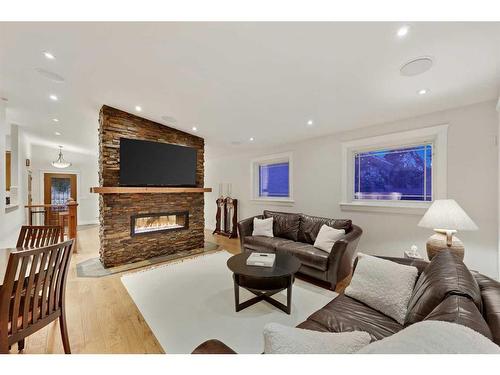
(117, 245)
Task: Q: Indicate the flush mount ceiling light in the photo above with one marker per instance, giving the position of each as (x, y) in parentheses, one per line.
(60, 162)
(423, 91)
(54, 98)
(49, 55)
(403, 31)
(416, 66)
(138, 108)
(194, 128)
(50, 75)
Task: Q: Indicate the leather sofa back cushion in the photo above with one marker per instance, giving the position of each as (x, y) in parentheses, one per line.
(445, 275)
(461, 310)
(490, 291)
(310, 226)
(285, 225)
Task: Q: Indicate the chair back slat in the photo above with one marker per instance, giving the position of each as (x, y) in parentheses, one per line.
(33, 290)
(32, 236)
(30, 286)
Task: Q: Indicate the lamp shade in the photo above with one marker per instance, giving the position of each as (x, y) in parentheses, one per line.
(448, 215)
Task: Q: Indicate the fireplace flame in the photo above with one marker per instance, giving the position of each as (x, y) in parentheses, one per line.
(157, 223)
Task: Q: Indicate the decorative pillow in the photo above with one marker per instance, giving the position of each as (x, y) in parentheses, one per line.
(263, 227)
(383, 285)
(433, 337)
(279, 339)
(327, 237)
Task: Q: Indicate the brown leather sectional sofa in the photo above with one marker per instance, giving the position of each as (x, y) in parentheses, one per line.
(295, 233)
(445, 290)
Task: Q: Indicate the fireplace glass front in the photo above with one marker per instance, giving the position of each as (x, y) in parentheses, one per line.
(158, 222)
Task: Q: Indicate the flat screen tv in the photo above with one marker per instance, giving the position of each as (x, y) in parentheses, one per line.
(147, 163)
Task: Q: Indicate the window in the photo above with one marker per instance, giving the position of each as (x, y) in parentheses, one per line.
(271, 178)
(399, 172)
(394, 174)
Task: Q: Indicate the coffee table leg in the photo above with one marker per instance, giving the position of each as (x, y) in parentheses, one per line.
(289, 296)
(236, 294)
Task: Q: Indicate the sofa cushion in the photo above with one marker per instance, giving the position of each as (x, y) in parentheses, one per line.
(307, 254)
(264, 244)
(461, 310)
(433, 337)
(280, 339)
(445, 275)
(490, 292)
(346, 314)
(285, 225)
(310, 225)
(383, 285)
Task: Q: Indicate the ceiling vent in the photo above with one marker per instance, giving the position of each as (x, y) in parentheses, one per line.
(50, 75)
(416, 66)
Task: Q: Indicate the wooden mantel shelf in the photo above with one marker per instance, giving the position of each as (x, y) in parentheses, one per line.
(147, 190)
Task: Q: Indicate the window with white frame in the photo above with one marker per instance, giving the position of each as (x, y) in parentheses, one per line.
(271, 178)
(406, 169)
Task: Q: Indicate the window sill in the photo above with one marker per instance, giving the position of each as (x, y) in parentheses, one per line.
(280, 202)
(396, 207)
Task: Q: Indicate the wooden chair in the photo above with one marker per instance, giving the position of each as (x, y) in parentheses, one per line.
(33, 293)
(32, 236)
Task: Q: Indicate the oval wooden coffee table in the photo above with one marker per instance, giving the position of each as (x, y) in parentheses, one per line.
(264, 282)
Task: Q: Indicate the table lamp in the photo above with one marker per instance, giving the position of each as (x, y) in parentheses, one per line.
(445, 216)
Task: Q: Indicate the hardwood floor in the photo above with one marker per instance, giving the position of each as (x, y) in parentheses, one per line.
(102, 318)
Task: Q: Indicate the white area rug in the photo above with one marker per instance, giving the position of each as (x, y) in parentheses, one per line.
(192, 301)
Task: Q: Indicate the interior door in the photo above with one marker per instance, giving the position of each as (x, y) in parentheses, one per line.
(58, 188)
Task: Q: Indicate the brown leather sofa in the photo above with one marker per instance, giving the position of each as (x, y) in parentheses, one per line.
(296, 233)
(445, 290)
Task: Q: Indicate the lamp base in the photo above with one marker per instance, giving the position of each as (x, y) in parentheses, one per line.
(439, 241)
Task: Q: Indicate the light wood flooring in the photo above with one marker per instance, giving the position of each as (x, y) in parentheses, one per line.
(102, 318)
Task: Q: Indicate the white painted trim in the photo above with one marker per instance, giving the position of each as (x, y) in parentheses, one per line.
(396, 207)
(254, 183)
(438, 135)
(66, 171)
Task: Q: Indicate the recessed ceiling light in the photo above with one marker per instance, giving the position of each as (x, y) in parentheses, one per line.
(310, 123)
(252, 139)
(138, 108)
(55, 119)
(57, 133)
(423, 91)
(49, 55)
(194, 128)
(54, 97)
(403, 31)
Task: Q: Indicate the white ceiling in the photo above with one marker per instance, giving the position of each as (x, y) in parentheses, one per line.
(240, 80)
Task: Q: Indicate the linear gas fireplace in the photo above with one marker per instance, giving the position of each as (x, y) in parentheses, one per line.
(158, 222)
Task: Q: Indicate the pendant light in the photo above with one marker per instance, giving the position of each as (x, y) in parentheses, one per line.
(60, 162)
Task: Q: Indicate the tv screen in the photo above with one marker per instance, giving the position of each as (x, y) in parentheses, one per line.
(147, 163)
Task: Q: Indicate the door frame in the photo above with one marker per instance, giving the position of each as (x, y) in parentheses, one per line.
(42, 182)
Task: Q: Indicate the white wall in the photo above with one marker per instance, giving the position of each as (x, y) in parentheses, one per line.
(86, 168)
(472, 181)
(12, 218)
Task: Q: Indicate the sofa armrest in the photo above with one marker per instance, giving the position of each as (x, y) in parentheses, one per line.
(343, 253)
(213, 347)
(490, 293)
(245, 228)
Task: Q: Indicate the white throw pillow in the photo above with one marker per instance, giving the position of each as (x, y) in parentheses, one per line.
(383, 285)
(263, 227)
(433, 337)
(327, 237)
(280, 339)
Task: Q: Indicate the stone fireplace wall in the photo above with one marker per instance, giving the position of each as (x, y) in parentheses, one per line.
(115, 210)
